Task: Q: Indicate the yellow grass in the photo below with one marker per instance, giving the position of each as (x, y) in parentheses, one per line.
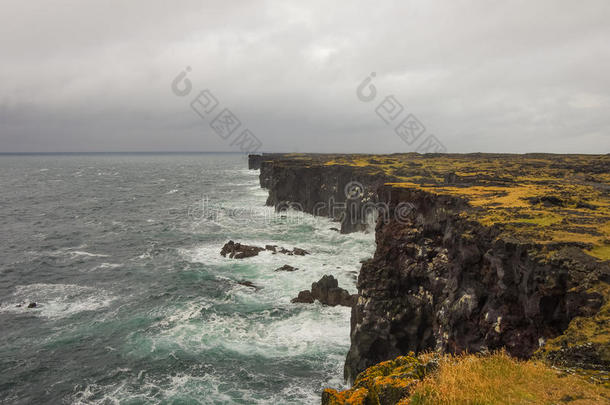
(500, 379)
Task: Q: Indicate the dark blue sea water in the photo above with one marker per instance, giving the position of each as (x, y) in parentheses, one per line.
(135, 303)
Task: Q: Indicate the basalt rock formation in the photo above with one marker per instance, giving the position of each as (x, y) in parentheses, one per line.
(474, 252)
(328, 292)
(254, 162)
(439, 282)
(343, 193)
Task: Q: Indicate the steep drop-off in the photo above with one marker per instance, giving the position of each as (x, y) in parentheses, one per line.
(340, 192)
(495, 251)
(440, 281)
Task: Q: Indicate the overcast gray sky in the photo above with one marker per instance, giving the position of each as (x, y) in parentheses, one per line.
(488, 76)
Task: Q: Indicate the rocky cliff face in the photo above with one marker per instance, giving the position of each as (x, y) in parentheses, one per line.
(254, 162)
(441, 282)
(342, 193)
(440, 279)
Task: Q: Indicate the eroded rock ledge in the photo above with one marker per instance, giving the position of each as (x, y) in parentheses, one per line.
(498, 251)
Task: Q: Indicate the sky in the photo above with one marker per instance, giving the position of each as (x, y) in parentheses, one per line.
(305, 76)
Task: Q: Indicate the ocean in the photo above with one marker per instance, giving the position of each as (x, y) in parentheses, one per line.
(135, 304)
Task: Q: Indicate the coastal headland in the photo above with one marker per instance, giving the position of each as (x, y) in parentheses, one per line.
(503, 258)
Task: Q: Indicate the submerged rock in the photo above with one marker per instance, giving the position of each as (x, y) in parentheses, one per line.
(299, 252)
(250, 284)
(287, 267)
(296, 251)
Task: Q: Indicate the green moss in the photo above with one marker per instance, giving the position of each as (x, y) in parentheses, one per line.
(385, 383)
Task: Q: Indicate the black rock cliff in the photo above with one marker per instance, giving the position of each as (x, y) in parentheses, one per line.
(438, 280)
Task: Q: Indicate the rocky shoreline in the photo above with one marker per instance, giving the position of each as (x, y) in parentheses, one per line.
(442, 277)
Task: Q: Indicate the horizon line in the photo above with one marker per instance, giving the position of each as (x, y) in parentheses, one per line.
(296, 153)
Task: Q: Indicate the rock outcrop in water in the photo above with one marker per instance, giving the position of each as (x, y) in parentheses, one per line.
(286, 267)
(328, 292)
(304, 297)
(241, 251)
(495, 251)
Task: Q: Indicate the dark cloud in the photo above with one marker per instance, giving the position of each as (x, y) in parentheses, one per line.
(512, 76)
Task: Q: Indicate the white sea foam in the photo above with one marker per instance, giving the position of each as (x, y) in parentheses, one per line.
(246, 345)
(194, 387)
(74, 252)
(56, 300)
(86, 254)
(205, 389)
(108, 266)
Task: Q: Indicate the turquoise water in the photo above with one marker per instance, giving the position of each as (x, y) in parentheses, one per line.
(135, 303)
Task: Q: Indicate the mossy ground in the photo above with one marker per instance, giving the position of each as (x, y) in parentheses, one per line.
(385, 383)
(500, 379)
(467, 379)
(541, 198)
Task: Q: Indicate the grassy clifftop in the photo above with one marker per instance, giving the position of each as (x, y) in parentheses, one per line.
(542, 198)
(466, 379)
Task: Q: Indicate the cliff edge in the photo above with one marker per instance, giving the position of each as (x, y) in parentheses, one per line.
(474, 252)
